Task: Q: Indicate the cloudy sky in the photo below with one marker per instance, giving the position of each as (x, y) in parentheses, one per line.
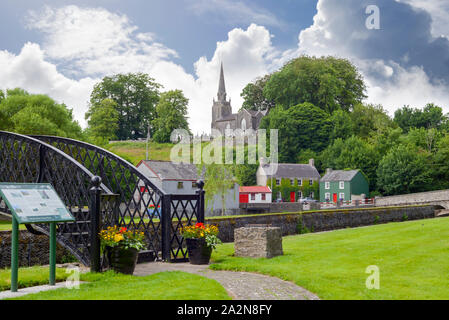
(62, 48)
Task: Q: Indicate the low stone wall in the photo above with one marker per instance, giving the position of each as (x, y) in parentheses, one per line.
(441, 196)
(315, 221)
(33, 250)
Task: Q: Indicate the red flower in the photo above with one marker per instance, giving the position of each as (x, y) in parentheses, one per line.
(123, 229)
(200, 225)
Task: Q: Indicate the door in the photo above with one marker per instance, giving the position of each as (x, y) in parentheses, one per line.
(244, 198)
(292, 196)
(335, 198)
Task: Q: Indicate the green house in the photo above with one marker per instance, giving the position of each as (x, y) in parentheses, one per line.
(341, 185)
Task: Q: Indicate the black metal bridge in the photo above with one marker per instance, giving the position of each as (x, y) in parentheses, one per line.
(100, 189)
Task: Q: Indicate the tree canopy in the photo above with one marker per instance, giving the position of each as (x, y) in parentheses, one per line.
(303, 126)
(135, 95)
(102, 120)
(171, 114)
(253, 96)
(327, 82)
(37, 114)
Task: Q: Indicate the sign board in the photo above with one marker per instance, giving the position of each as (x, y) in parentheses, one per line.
(34, 203)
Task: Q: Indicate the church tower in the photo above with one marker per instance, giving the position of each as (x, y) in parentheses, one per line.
(221, 108)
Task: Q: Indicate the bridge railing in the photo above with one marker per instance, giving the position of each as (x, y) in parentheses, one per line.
(27, 160)
(137, 194)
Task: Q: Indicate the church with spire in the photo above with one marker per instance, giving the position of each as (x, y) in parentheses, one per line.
(223, 118)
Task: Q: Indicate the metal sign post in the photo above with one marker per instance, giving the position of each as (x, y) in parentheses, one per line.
(33, 203)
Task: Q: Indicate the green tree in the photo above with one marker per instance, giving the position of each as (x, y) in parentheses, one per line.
(403, 170)
(102, 120)
(353, 153)
(218, 179)
(136, 96)
(430, 117)
(171, 114)
(329, 83)
(303, 126)
(253, 97)
(37, 114)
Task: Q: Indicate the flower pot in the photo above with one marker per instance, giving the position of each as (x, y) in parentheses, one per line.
(199, 252)
(122, 260)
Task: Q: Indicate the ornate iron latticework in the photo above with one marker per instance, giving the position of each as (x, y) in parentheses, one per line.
(136, 193)
(27, 160)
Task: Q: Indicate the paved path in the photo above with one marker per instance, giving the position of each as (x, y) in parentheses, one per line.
(240, 285)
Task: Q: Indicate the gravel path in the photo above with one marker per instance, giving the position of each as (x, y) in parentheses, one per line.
(240, 285)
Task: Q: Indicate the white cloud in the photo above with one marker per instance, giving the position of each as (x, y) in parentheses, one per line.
(439, 10)
(78, 43)
(30, 71)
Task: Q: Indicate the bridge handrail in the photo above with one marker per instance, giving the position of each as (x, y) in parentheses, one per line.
(106, 153)
(59, 152)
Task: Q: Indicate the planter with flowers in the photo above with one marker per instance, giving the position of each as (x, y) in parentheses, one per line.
(201, 240)
(152, 211)
(122, 247)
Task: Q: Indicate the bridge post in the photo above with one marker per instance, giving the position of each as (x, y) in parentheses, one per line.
(94, 212)
(200, 192)
(166, 227)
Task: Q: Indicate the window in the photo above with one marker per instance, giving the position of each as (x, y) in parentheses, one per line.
(327, 196)
(253, 196)
(243, 124)
(194, 185)
(327, 185)
(180, 185)
(299, 182)
(264, 196)
(342, 184)
(311, 182)
(299, 195)
(292, 182)
(312, 195)
(278, 182)
(342, 196)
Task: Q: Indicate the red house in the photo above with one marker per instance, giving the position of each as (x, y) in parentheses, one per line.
(255, 194)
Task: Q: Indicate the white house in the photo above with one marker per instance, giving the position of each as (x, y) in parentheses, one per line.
(181, 178)
(255, 194)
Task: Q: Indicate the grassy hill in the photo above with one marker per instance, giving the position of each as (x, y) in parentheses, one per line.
(136, 151)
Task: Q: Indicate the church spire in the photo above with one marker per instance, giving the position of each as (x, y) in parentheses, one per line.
(221, 86)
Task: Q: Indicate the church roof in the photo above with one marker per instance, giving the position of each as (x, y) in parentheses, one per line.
(167, 170)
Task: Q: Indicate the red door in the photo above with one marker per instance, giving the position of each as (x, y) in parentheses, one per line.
(244, 198)
(335, 197)
(292, 196)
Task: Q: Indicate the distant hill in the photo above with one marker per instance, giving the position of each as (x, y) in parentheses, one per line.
(135, 151)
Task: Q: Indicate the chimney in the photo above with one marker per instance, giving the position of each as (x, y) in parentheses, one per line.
(312, 162)
(328, 170)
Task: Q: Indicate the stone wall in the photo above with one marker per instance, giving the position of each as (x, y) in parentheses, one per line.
(33, 250)
(439, 197)
(322, 220)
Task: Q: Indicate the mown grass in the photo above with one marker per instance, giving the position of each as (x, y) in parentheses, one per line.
(412, 258)
(136, 151)
(30, 277)
(161, 286)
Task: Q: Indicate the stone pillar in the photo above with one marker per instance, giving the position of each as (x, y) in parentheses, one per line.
(258, 242)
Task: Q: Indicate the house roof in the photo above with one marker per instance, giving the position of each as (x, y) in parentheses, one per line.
(294, 170)
(255, 189)
(167, 170)
(340, 175)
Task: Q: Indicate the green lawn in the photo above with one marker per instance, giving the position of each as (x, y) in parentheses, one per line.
(413, 259)
(7, 226)
(160, 286)
(30, 277)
